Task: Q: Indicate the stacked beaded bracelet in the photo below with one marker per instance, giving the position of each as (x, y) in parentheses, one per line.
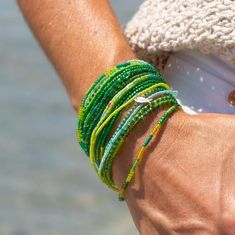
(135, 86)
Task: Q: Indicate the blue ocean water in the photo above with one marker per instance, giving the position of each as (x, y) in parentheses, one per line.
(47, 186)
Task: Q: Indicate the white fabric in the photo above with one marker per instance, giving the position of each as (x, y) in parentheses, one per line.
(203, 81)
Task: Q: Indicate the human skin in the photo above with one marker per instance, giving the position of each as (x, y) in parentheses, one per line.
(185, 184)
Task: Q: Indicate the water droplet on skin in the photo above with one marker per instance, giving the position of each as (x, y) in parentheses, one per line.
(201, 79)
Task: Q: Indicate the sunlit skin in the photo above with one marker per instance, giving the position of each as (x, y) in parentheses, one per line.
(186, 183)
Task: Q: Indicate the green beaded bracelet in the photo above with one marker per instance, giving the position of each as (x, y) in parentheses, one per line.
(135, 86)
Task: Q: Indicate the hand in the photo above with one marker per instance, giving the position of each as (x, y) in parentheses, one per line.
(186, 182)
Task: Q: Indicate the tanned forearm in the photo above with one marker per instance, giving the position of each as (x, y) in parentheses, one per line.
(82, 39)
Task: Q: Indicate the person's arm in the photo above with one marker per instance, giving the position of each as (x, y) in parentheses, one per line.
(183, 185)
(82, 38)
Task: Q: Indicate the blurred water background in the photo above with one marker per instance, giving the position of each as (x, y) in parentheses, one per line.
(47, 186)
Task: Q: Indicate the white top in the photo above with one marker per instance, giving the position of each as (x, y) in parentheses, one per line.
(203, 81)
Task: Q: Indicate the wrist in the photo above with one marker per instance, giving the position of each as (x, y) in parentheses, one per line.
(132, 144)
(113, 92)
